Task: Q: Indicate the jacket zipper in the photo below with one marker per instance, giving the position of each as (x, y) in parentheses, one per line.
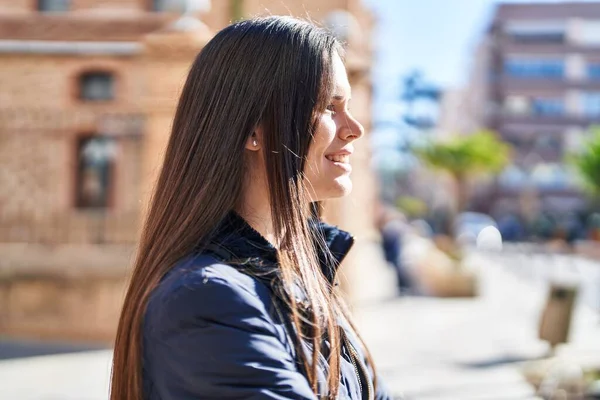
(354, 358)
(355, 368)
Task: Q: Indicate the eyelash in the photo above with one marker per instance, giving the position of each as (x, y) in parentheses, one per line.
(331, 108)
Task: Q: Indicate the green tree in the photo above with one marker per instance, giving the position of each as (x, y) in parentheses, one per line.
(587, 162)
(237, 10)
(463, 156)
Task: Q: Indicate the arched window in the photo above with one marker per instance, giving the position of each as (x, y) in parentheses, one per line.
(96, 86)
(53, 5)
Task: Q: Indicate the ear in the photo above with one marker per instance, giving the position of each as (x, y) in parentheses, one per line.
(254, 142)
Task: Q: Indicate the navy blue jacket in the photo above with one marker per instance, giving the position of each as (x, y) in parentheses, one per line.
(215, 329)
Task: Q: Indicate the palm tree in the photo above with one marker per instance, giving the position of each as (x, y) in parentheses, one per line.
(464, 156)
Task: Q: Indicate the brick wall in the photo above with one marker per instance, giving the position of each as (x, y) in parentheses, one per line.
(315, 9)
(37, 196)
(106, 5)
(41, 119)
(16, 6)
(62, 292)
(51, 81)
(219, 15)
(32, 175)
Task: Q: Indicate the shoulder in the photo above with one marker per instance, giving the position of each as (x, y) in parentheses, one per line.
(201, 287)
(208, 333)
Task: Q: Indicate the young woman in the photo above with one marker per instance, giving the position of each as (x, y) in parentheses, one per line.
(233, 292)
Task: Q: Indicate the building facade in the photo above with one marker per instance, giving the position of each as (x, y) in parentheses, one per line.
(89, 89)
(536, 81)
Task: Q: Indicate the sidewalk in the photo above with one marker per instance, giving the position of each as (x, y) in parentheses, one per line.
(466, 349)
(77, 376)
(449, 349)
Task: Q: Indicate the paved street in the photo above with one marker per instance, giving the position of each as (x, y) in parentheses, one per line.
(473, 349)
(426, 348)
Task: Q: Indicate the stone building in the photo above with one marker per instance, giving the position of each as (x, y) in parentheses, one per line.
(89, 88)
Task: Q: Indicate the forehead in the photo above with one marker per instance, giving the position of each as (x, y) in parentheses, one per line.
(340, 77)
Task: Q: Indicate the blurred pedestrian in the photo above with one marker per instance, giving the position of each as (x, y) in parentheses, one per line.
(232, 293)
(392, 226)
(511, 228)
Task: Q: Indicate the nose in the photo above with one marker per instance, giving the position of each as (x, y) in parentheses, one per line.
(351, 129)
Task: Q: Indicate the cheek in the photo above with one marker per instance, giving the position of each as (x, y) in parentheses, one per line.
(324, 135)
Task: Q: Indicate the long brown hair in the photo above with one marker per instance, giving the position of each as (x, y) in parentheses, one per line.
(272, 72)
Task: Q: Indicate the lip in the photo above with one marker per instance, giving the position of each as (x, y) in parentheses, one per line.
(342, 152)
(345, 166)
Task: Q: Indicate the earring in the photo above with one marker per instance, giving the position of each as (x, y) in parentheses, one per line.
(254, 143)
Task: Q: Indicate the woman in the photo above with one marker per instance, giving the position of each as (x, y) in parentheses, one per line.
(232, 294)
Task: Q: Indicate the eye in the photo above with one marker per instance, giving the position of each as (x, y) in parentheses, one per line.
(331, 108)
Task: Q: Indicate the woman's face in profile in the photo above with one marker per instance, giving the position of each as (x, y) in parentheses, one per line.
(328, 164)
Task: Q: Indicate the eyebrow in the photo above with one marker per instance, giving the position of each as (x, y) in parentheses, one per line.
(341, 97)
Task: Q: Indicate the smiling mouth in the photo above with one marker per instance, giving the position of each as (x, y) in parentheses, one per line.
(340, 158)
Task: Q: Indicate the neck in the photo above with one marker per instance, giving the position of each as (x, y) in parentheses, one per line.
(256, 210)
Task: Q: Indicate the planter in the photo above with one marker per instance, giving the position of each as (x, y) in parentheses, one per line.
(442, 276)
(434, 272)
(556, 377)
(451, 284)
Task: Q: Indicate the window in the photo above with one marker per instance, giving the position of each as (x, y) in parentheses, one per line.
(513, 177)
(169, 5)
(531, 68)
(550, 176)
(589, 32)
(539, 37)
(53, 5)
(536, 31)
(547, 106)
(96, 86)
(548, 147)
(95, 164)
(516, 105)
(593, 71)
(540, 106)
(591, 104)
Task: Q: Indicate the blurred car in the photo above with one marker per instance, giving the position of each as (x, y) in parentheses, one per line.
(469, 225)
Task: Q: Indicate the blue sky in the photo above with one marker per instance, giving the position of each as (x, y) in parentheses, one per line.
(435, 36)
(432, 35)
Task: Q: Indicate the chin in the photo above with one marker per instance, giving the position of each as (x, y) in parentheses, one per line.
(340, 187)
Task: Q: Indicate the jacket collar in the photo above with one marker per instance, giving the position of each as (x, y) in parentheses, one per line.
(236, 238)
